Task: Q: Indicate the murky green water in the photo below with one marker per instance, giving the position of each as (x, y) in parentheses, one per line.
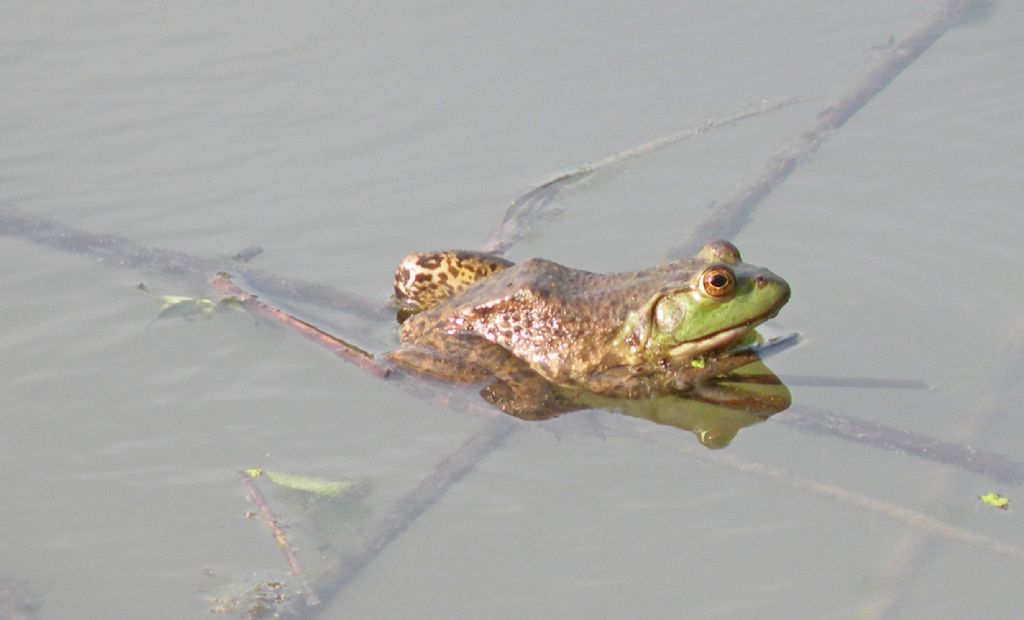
(340, 138)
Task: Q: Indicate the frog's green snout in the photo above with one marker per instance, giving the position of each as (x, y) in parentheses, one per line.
(775, 286)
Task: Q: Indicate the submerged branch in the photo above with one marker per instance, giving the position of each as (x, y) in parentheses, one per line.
(909, 549)
(729, 216)
(405, 510)
(531, 206)
(123, 252)
(820, 422)
(263, 508)
(339, 347)
(919, 521)
(854, 382)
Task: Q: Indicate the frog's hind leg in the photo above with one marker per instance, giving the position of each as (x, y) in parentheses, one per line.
(528, 396)
(424, 280)
(430, 364)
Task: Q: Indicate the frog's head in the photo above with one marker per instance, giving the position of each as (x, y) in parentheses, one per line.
(710, 303)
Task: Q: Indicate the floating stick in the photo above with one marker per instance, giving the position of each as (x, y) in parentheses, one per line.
(310, 597)
(906, 555)
(729, 216)
(405, 510)
(123, 252)
(339, 347)
(917, 520)
(530, 206)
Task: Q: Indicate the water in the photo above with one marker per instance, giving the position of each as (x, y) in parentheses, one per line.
(340, 138)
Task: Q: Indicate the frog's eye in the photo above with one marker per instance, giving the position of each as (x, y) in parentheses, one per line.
(669, 314)
(718, 281)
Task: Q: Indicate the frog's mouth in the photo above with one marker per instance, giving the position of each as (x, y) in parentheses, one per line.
(717, 341)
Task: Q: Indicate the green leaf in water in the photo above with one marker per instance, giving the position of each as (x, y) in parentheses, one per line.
(309, 484)
(995, 500)
(177, 306)
(189, 308)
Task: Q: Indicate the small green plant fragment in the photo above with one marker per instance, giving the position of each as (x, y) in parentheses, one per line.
(189, 308)
(176, 306)
(264, 599)
(995, 500)
(229, 303)
(697, 362)
(309, 484)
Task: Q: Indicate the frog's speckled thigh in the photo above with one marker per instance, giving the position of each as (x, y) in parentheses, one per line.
(427, 279)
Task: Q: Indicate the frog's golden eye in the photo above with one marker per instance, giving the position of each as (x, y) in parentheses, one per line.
(718, 281)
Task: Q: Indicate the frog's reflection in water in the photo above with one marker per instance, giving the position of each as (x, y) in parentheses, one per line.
(714, 409)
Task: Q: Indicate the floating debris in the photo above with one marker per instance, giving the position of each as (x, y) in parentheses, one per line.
(309, 484)
(995, 500)
(263, 599)
(190, 308)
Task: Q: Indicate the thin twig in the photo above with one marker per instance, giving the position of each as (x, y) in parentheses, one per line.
(854, 382)
(256, 497)
(908, 550)
(814, 421)
(339, 347)
(919, 521)
(531, 205)
(729, 216)
(405, 510)
(123, 252)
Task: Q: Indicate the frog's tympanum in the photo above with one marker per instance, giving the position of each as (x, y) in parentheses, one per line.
(549, 339)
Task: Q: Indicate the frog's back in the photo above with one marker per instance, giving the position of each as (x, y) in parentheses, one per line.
(542, 283)
(561, 321)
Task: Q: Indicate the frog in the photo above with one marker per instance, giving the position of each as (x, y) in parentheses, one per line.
(472, 317)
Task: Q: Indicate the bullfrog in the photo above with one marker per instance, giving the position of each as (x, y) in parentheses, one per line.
(474, 317)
